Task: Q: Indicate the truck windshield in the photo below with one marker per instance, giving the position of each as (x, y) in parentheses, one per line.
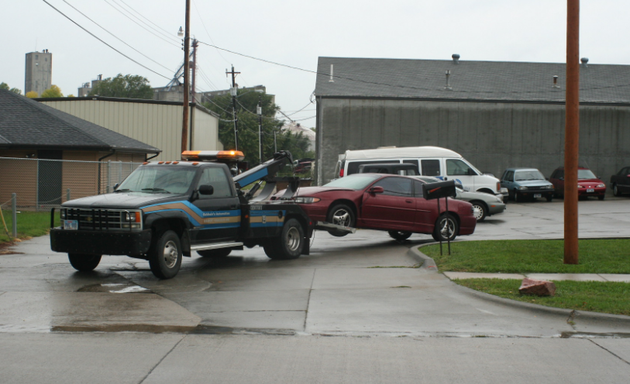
(160, 179)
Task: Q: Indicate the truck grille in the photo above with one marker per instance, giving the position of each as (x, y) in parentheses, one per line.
(97, 219)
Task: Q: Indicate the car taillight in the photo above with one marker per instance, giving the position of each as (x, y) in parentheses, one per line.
(341, 172)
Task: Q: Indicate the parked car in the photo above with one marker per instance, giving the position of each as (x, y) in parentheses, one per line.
(385, 202)
(484, 204)
(529, 183)
(588, 183)
(303, 165)
(620, 182)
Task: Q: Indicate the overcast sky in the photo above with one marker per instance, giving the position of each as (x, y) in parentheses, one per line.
(256, 36)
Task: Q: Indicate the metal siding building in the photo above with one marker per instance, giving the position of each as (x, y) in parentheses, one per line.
(495, 114)
(156, 123)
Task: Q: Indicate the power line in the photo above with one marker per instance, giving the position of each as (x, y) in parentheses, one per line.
(116, 37)
(102, 41)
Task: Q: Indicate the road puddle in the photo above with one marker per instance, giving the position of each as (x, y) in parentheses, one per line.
(114, 288)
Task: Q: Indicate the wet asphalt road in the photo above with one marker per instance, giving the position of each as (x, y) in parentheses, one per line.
(272, 317)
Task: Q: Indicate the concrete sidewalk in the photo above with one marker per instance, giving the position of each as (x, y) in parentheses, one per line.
(541, 276)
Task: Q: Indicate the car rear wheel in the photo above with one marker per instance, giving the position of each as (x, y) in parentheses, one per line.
(399, 235)
(480, 211)
(341, 214)
(446, 228)
(83, 262)
(616, 190)
(165, 257)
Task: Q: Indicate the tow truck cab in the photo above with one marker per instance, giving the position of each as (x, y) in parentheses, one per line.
(166, 210)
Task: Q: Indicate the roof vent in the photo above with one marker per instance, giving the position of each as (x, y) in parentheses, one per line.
(448, 82)
(584, 61)
(455, 58)
(332, 77)
(555, 81)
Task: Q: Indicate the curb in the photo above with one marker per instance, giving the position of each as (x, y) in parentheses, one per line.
(428, 263)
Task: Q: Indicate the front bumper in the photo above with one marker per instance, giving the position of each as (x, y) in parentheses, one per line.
(100, 242)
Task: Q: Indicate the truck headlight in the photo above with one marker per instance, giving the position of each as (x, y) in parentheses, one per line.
(131, 219)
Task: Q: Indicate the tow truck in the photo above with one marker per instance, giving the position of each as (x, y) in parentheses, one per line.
(169, 209)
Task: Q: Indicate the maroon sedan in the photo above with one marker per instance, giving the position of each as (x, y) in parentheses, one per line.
(385, 202)
(588, 183)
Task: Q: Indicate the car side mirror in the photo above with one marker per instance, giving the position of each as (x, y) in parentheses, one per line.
(377, 189)
(206, 189)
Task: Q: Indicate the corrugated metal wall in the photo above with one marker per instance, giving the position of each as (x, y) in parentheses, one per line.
(156, 124)
(493, 136)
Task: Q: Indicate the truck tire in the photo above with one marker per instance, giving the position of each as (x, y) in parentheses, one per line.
(289, 244)
(446, 228)
(84, 262)
(399, 235)
(165, 256)
(218, 253)
(341, 214)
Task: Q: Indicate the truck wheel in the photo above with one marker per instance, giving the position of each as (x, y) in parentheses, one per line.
(446, 228)
(165, 257)
(290, 243)
(341, 214)
(84, 262)
(218, 253)
(399, 235)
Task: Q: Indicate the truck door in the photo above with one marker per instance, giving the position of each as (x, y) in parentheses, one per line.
(220, 211)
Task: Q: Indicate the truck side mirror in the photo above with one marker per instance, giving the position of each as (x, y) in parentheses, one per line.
(206, 189)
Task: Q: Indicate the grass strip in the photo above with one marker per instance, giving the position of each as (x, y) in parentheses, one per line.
(29, 224)
(593, 296)
(532, 256)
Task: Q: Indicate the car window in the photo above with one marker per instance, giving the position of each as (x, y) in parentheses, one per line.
(357, 181)
(430, 167)
(219, 181)
(584, 174)
(458, 168)
(418, 186)
(395, 186)
(528, 175)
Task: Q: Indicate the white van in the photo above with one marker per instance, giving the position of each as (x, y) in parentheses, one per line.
(431, 161)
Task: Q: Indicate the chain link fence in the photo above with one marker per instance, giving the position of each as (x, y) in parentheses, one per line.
(41, 184)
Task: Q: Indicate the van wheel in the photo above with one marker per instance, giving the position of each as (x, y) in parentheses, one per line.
(165, 257)
(82, 262)
(399, 235)
(446, 228)
(341, 214)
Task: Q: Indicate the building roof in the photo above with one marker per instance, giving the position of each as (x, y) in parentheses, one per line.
(27, 123)
(467, 80)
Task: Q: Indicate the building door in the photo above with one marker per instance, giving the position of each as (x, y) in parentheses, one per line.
(49, 178)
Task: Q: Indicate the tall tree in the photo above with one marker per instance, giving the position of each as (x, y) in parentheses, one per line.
(4, 85)
(248, 126)
(53, 91)
(129, 86)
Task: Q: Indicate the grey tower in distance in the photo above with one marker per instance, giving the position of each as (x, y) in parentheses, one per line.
(38, 72)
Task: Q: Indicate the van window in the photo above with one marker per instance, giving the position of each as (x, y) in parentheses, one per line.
(431, 167)
(353, 166)
(456, 167)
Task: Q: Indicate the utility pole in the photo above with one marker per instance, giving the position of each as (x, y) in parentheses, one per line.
(572, 134)
(260, 130)
(234, 92)
(194, 44)
(186, 76)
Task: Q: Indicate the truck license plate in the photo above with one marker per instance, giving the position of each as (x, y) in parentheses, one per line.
(590, 190)
(536, 195)
(71, 224)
